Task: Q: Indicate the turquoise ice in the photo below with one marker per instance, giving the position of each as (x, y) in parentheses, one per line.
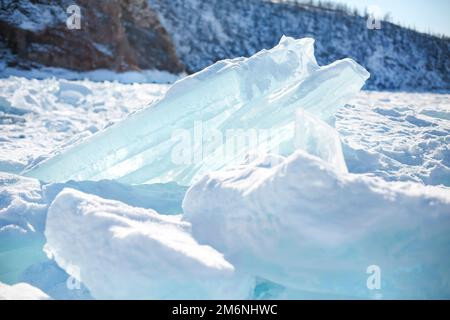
(255, 96)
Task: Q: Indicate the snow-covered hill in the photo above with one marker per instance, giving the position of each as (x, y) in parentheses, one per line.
(192, 34)
(397, 58)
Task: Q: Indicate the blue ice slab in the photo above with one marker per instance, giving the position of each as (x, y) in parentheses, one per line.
(194, 128)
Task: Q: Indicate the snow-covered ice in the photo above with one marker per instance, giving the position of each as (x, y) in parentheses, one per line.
(369, 185)
(398, 136)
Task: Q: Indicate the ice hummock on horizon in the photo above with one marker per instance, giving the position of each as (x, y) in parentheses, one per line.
(296, 222)
(257, 93)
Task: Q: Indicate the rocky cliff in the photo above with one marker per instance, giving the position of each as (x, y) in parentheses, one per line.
(113, 34)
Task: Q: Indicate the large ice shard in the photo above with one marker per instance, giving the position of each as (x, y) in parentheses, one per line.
(304, 225)
(213, 118)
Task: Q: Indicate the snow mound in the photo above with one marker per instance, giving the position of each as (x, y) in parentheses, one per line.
(21, 291)
(306, 226)
(119, 251)
(257, 95)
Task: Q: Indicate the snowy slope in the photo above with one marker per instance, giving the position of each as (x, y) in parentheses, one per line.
(397, 58)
